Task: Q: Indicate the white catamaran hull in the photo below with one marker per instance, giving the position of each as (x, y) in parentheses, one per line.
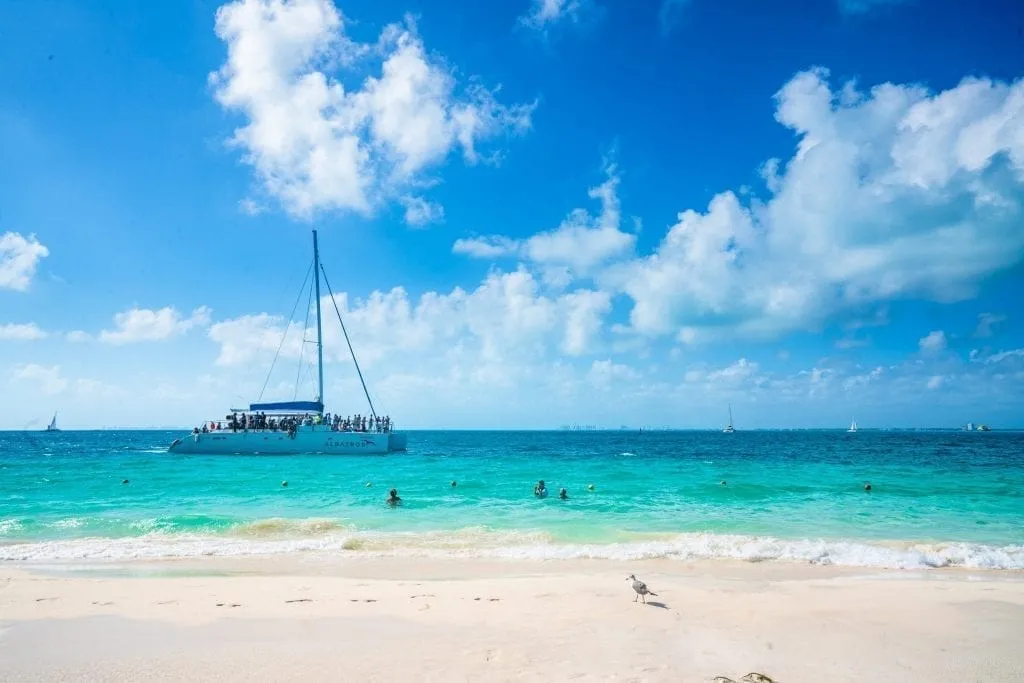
(315, 440)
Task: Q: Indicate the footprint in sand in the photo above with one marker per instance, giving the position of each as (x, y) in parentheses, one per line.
(46, 599)
(168, 602)
(365, 600)
(228, 604)
(425, 595)
(102, 604)
(298, 600)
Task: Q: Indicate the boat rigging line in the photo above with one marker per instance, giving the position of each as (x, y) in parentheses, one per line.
(347, 340)
(285, 335)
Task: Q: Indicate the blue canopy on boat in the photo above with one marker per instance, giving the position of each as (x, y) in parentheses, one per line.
(290, 406)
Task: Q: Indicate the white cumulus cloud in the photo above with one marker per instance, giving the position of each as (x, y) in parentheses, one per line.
(19, 256)
(486, 247)
(604, 373)
(47, 379)
(576, 248)
(490, 333)
(933, 342)
(143, 324)
(317, 144)
(893, 193)
(21, 332)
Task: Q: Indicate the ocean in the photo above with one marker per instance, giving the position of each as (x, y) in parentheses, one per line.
(937, 499)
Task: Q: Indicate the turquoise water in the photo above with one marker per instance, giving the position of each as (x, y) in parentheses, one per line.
(937, 499)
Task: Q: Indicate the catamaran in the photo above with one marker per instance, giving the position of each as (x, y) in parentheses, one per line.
(298, 427)
(728, 428)
(52, 427)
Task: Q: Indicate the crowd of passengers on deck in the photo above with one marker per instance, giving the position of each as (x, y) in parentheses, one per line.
(260, 422)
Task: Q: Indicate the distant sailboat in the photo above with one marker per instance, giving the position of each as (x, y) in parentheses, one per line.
(728, 428)
(52, 427)
(853, 427)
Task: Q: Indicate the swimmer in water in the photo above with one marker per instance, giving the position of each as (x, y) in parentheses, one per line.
(540, 490)
(454, 483)
(563, 494)
(867, 487)
(393, 498)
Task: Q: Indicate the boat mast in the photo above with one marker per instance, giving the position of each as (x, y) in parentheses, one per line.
(319, 330)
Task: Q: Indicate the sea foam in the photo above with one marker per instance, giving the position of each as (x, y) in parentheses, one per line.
(323, 536)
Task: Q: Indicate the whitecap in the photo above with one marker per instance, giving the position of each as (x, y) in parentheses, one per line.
(482, 542)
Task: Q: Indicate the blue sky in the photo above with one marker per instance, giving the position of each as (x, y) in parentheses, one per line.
(534, 212)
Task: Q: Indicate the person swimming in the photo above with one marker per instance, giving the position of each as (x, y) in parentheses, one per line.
(393, 498)
(540, 490)
(563, 494)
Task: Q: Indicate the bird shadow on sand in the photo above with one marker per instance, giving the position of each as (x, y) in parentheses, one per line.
(655, 603)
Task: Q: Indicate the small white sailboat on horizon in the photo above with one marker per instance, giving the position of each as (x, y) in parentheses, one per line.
(52, 427)
(853, 426)
(729, 428)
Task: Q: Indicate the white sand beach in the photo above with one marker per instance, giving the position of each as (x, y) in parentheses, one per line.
(462, 620)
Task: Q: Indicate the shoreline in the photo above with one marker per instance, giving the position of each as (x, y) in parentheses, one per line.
(274, 538)
(292, 618)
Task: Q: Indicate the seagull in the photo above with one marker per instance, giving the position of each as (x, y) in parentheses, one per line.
(640, 587)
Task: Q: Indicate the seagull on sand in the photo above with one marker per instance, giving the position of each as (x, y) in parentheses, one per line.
(640, 588)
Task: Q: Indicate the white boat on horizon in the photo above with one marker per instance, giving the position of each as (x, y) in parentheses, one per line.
(729, 428)
(52, 427)
(853, 426)
(297, 427)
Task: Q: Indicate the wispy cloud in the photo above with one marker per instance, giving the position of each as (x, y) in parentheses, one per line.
(853, 7)
(545, 14)
(987, 321)
(671, 13)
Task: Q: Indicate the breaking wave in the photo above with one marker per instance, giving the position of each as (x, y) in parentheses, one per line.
(281, 536)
